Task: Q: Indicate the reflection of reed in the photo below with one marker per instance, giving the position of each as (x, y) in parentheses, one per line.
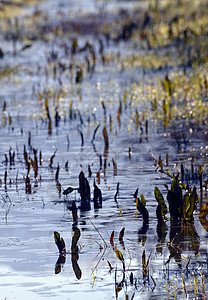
(183, 237)
(162, 230)
(74, 252)
(142, 232)
(140, 206)
(75, 266)
(59, 264)
(119, 286)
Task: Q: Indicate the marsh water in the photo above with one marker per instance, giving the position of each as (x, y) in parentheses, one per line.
(46, 109)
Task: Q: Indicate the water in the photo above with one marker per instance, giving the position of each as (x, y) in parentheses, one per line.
(28, 220)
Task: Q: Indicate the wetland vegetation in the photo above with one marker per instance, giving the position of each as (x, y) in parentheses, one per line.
(104, 130)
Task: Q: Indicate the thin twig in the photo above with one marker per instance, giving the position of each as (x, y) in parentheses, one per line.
(98, 232)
